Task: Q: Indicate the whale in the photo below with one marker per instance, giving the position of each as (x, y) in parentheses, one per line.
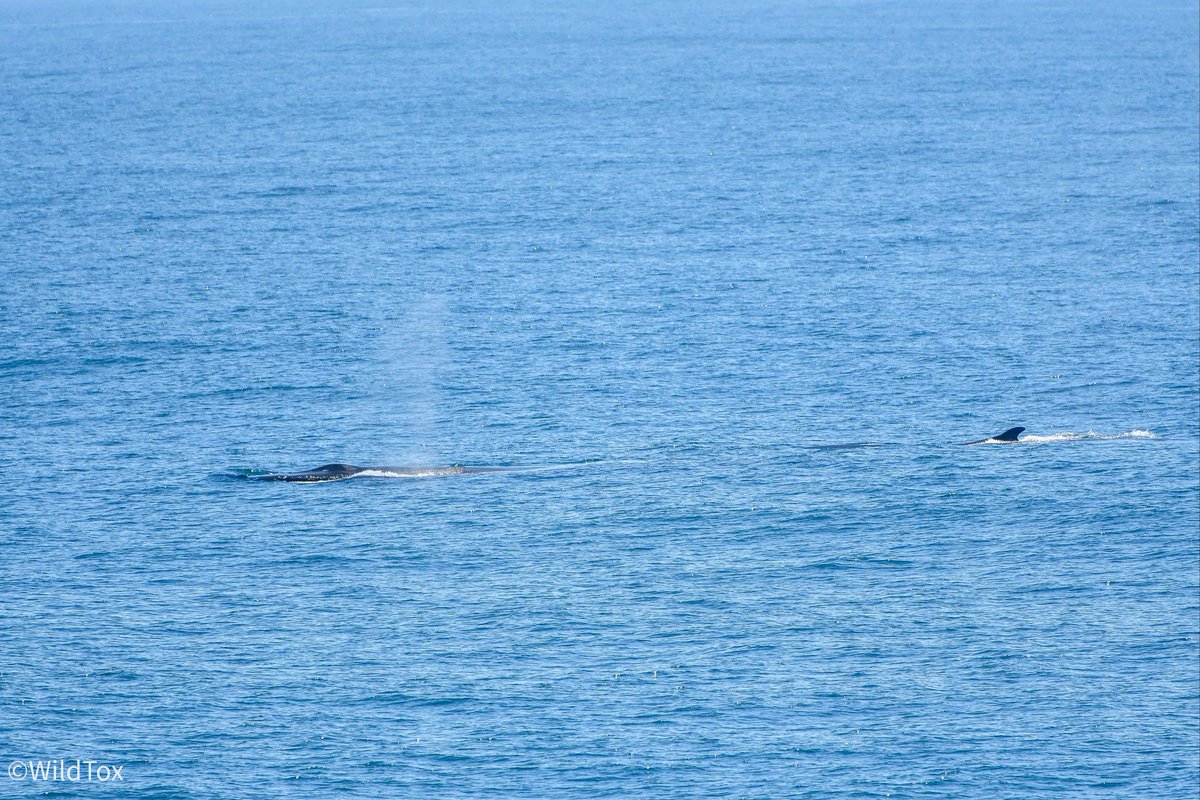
(338, 472)
(1008, 436)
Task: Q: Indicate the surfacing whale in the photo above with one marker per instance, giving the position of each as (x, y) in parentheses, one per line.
(337, 472)
(1009, 435)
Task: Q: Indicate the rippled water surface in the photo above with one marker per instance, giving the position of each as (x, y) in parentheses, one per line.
(685, 254)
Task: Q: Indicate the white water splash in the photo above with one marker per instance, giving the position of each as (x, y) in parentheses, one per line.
(1069, 436)
(409, 472)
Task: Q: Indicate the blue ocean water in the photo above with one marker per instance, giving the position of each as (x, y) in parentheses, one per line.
(684, 247)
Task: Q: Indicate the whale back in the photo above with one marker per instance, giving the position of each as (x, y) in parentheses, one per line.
(341, 468)
(329, 472)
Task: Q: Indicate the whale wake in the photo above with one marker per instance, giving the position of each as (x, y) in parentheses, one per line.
(341, 472)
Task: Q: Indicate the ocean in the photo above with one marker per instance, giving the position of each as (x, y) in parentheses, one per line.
(726, 285)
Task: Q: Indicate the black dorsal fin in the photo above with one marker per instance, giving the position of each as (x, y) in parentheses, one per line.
(1009, 435)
